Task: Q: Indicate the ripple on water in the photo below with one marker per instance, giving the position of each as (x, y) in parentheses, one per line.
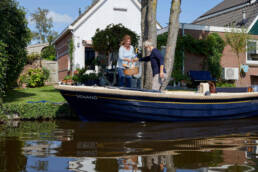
(78, 146)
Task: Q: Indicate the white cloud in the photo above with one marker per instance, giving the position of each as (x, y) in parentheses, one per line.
(60, 18)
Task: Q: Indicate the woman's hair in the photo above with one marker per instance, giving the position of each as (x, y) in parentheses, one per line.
(148, 43)
(125, 38)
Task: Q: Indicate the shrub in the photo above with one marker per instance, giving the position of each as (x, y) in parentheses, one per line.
(78, 75)
(88, 79)
(3, 117)
(211, 48)
(226, 84)
(35, 77)
(32, 57)
(68, 77)
(3, 69)
(107, 41)
(22, 80)
(46, 73)
(49, 53)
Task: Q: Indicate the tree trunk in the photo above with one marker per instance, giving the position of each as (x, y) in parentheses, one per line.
(144, 36)
(172, 38)
(149, 10)
(152, 21)
(144, 22)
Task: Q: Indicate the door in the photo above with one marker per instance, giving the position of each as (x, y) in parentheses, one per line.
(89, 58)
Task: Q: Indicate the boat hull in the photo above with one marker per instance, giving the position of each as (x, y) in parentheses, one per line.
(97, 106)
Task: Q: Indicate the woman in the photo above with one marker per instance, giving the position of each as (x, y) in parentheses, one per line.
(157, 65)
(125, 57)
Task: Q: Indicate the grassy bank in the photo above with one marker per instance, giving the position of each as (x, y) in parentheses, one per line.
(48, 93)
(16, 104)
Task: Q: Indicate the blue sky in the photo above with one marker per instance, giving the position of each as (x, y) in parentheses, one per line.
(65, 11)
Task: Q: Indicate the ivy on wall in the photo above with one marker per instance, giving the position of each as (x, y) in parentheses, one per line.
(211, 48)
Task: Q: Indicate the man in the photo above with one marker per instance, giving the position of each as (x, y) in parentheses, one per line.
(157, 65)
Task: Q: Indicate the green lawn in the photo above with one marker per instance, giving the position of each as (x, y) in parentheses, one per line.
(48, 93)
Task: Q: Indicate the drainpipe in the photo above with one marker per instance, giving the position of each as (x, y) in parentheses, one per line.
(183, 53)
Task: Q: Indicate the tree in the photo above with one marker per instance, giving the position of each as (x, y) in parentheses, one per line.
(107, 42)
(149, 32)
(237, 39)
(173, 29)
(15, 36)
(49, 52)
(44, 25)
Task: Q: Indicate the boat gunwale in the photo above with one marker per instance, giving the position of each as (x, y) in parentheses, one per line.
(197, 96)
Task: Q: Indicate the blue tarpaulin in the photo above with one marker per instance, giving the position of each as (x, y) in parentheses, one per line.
(201, 76)
(44, 101)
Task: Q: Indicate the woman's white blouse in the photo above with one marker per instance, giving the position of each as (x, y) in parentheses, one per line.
(124, 53)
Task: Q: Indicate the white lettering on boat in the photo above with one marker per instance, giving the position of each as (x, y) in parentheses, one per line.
(87, 97)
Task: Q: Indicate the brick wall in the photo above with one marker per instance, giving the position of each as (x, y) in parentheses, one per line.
(62, 46)
(193, 61)
(63, 66)
(228, 59)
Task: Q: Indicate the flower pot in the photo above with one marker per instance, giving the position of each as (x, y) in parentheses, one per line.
(69, 82)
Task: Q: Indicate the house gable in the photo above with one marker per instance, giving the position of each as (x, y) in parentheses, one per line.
(254, 28)
(107, 12)
(96, 8)
(97, 5)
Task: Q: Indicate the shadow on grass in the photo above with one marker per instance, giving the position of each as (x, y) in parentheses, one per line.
(15, 95)
(50, 91)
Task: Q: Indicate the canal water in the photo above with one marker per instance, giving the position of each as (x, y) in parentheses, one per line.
(73, 146)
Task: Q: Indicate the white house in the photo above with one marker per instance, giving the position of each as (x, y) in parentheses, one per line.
(100, 14)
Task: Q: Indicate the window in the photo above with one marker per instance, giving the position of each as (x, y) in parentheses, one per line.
(252, 52)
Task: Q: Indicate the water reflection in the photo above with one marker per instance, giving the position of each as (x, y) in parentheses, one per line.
(121, 147)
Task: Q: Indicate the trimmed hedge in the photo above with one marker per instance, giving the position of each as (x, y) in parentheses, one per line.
(37, 111)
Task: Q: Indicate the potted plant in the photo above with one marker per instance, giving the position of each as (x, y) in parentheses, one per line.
(68, 80)
(78, 76)
(90, 79)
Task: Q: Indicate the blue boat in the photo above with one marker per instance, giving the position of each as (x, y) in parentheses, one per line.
(117, 104)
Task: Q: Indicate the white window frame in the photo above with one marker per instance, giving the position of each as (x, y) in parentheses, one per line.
(251, 62)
